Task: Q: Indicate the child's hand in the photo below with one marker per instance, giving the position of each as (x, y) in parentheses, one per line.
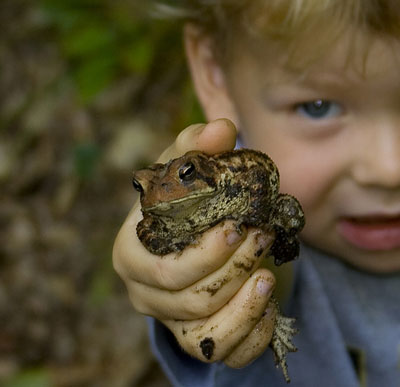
(213, 296)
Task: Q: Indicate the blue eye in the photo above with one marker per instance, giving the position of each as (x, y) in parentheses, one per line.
(319, 109)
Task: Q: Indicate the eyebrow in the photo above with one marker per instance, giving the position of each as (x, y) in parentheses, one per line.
(327, 80)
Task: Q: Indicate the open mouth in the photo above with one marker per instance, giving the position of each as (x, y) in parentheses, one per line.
(371, 232)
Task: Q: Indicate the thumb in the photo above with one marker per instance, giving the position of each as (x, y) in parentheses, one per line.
(215, 137)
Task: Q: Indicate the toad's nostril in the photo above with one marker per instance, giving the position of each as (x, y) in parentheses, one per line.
(167, 187)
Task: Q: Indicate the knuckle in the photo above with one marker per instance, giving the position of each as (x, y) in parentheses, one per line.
(166, 279)
(197, 307)
(192, 311)
(245, 263)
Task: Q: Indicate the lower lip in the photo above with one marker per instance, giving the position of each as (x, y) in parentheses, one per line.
(374, 234)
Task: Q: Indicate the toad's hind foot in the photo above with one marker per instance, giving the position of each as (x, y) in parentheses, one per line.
(281, 342)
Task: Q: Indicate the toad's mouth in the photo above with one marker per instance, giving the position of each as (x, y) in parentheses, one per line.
(181, 207)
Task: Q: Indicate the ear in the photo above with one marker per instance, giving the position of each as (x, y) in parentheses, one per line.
(208, 76)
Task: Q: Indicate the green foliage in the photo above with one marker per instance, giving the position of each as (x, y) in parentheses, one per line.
(101, 40)
(128, 72)
(138, 56)
(101, 286)
(86, 157)
(87, 40)
(104, 41)
(30, 378)
(94, 75)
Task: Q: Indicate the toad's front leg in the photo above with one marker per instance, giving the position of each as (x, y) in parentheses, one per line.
(159, 239)
(287, 219)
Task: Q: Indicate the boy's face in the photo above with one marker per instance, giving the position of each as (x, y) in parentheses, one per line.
(334, 133)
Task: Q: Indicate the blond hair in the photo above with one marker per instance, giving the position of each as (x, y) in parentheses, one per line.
(296, 25)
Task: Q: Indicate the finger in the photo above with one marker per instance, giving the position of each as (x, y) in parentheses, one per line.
(174, 271)
(214, 137)
(214, 338)
(256, 342)
(209, 294)
(217, 136)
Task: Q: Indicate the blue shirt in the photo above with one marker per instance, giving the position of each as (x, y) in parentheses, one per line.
(349, 324)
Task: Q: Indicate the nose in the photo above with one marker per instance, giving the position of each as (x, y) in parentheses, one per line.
(377, 161)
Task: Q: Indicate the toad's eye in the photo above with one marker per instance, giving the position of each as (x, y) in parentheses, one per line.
(187, 172)
(138, 187)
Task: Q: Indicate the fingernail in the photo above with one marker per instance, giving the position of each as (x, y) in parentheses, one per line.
(233, 237)
(263, 287)
(197, 128)
(187, 136)
(262, 241)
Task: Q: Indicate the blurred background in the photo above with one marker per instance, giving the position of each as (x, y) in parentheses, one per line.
(89, 91)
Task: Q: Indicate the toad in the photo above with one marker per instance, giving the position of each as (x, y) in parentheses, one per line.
(188, 195)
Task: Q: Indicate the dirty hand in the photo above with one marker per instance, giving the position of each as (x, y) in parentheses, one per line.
(213, 296)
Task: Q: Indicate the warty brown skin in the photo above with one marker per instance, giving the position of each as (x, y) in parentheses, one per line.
(188, 195)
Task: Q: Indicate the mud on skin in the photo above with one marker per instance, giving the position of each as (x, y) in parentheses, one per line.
(207, 346)
(187, 196)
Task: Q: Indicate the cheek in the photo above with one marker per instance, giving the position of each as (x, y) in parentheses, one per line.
(307, 187)
(309, 169)
(310, 181)
(311, 184)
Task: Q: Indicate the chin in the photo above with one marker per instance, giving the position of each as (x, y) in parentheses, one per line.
(377, 262)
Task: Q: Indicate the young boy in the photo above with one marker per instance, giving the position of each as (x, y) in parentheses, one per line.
(315, 84)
